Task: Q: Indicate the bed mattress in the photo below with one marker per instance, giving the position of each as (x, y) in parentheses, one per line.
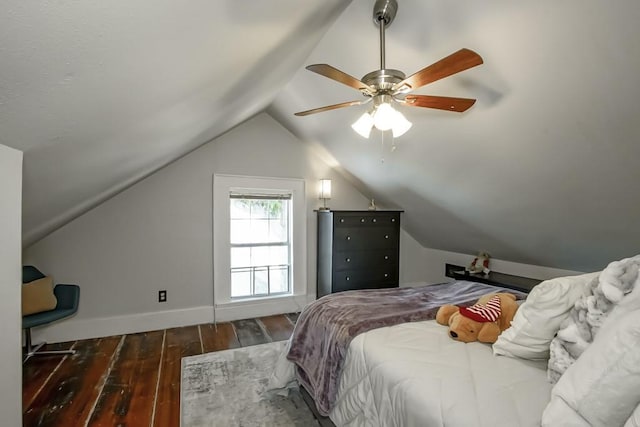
(413, 374)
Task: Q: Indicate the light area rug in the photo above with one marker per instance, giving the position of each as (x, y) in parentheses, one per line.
(229, 388)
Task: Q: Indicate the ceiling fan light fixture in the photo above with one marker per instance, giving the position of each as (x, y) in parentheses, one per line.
(385, 117)
(386, 86)
(363, 125)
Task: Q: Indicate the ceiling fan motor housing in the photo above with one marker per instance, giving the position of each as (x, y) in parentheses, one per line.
(383, 80)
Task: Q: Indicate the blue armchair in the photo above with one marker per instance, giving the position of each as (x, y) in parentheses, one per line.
(68, 297)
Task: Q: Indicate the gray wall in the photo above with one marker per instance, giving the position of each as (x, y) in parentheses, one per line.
(10, 282)
(158, 235)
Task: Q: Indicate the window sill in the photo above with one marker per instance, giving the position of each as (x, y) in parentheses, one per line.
(258, 299)
(259, 307)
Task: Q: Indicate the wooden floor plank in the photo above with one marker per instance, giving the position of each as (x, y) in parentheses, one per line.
(249, 332)
(293, 317)
(70, 394)
(278, 327)
(112, 381)
(37, 370)
(128, 394)
(179, 343)
(218, 337)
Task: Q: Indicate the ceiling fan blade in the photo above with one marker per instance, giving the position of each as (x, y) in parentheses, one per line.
(458, 105)
(329, 107)
(339, 76)
(452, 64)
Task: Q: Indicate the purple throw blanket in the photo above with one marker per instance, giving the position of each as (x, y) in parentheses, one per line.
(326, 327)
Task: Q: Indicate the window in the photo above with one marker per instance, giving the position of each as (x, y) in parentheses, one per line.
(259, 246)
(260, 243)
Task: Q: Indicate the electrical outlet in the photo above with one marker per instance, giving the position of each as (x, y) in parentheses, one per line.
(162, 296)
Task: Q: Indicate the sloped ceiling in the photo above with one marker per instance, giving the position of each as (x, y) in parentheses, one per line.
(543, 169)
(100, 94)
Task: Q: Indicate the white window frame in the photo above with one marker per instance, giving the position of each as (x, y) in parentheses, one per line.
(223, 186)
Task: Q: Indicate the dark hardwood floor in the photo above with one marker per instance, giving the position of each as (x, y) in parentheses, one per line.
(130, 380)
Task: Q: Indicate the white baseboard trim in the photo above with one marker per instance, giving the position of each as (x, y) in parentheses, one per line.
(79, 329)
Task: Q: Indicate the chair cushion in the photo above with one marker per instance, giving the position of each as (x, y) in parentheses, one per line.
(37, 296)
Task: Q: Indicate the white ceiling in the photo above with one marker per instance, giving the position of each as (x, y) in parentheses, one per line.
(543, 169)
(100, 94)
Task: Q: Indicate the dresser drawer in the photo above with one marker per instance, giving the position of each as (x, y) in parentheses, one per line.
(349, 260)
(364, 279)
(365, 219)
(358, 238)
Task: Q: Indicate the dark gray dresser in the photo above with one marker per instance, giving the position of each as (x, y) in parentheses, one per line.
(358, 250)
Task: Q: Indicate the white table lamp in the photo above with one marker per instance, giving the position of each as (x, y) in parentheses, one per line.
(324, 193)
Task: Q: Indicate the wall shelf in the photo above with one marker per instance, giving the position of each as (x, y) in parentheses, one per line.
(518, 283)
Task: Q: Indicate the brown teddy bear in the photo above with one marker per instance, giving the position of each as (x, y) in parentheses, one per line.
(483, 321)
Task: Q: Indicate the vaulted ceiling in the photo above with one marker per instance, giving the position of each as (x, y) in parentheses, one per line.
(543, 169)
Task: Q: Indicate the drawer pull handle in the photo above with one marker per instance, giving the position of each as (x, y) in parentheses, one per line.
(386, 275)
(341, 219)
(393, 220)
(348, 237)
(347, 278)
(373, 220)
(386, 257)
(386, 236)
(361, 219)
(348, 260)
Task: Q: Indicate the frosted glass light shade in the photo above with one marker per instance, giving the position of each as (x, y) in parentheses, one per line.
(363, 125)
(384, 117)
(401, 125)
(325, 189)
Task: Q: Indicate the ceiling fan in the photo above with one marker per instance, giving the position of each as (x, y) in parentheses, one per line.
(387, 86)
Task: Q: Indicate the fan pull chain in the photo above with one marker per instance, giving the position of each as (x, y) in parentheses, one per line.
(393, 148)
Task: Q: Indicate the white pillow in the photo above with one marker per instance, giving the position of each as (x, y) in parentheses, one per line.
(538, 320)
(634, 419)
(602, 386)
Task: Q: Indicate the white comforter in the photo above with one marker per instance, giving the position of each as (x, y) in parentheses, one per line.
(413, 374)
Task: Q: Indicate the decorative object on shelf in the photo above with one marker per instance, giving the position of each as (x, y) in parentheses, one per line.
(389, 88)
(325, 193)
(480, 264)
(372, 205)
(518, 283)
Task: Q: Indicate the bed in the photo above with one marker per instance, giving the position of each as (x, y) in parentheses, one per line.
(411, 373)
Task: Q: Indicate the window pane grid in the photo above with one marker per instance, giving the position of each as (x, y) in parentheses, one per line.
(259, 281)
(260, 246)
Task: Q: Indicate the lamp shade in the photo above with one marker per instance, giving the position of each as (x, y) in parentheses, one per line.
(325, 189)
(401, 125)
(363, 125)
(384, 117)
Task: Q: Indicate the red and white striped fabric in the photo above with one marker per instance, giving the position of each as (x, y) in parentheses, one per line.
(483, 313)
